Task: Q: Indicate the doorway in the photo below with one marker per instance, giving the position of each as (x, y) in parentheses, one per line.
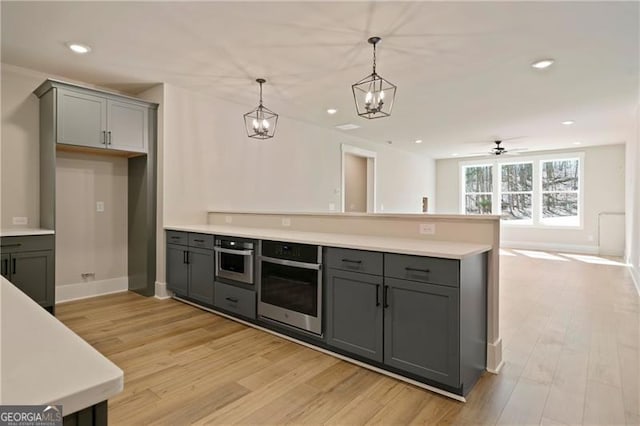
(358, 180)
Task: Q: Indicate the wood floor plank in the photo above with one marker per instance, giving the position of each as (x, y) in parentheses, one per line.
(571, 343)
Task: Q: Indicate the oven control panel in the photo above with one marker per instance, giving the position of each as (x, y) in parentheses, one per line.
(291, 251)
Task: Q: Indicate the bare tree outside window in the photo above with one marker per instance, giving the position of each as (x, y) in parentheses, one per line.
(516, 191)
(560, 186)
(478, 189)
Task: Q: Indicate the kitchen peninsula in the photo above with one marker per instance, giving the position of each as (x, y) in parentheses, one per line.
(375, 290)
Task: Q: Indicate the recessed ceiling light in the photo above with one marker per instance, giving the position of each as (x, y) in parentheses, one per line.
(347, 126)
(418, 140)
(332, 111)
(577, 143)
(78, 48)
(455, 154)
(568, 122)
(542, 64)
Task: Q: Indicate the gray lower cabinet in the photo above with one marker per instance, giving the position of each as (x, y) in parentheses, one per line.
(354, 313)
(421, 329)
(236, 300)
(190, 270)
(424, 316)
(28, 263)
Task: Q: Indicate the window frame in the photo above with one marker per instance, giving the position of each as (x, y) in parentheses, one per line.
(537, 160)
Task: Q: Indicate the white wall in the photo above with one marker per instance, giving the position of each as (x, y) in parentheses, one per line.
(604, 191)
(210, 164)
(633, 204)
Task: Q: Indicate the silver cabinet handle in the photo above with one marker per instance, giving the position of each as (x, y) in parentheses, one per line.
(291, 263)
(231, 251)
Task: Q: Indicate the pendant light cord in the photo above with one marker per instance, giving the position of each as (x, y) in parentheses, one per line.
(260, 94)
(374, 58)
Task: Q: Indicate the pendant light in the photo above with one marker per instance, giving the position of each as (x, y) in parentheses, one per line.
(261, 122)
(373, 94)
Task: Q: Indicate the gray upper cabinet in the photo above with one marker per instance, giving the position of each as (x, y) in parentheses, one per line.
(128, 126)
(96, 119)
(82, 119)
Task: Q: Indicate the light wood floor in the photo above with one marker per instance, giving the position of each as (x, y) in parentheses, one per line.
(570, 333)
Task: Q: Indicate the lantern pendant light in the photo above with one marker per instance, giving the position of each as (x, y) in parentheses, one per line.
(261, 122)
(373, 94)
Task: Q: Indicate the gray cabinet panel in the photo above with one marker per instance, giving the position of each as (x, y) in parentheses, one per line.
(31, 272)
(177, 269)
(354, 313)
(368, 262)
(82, 119)
(201, 275)
(236, 300)
(177, 237)
(4, 265)
(127, 126)
(425, 269)
(201, 240)
(421, 327)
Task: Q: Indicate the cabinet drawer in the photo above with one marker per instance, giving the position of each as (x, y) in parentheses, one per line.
(177, 237)
(235, 299)
(26, 243)
(201, 240)
(425, 269)
(368, 262)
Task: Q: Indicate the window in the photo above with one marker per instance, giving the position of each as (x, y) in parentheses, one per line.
(560, 192)
(542, 191)
(478, 189)
(516, 190)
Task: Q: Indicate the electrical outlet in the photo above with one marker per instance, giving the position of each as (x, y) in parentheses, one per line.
(332, 207)
(228, 219)
(590, 238)
(100, 206)
(19, 220)
(286, 221)
(381, 207)
(427, 228)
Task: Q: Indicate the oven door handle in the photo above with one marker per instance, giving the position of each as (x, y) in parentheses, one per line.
(293, 263)
(232, 251)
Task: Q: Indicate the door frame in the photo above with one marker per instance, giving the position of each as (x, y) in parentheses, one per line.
(371, 175)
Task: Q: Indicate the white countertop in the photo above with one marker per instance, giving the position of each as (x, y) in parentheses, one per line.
(421, 216)
(20, 232)
(414, 246)
(44, 362)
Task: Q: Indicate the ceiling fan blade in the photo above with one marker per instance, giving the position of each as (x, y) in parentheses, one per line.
(517, 149)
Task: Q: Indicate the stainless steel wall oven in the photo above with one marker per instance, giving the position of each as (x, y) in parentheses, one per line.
(290, 284)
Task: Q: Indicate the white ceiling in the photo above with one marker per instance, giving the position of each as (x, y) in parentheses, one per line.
(462, 69)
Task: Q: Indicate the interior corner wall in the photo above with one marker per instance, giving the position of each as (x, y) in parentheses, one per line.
(604, 191)
(632, 253)
(211, 164)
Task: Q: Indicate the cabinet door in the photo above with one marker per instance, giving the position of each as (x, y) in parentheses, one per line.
(128, 126)
(201, 275)
(421, 326)
(82, 119)
(4, 266)
(354, 313)
(177, 269)
(32, 272)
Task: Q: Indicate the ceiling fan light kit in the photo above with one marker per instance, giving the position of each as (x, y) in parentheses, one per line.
(374, 95)
(261, 122)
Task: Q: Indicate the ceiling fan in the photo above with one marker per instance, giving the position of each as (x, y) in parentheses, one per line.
(499, 149)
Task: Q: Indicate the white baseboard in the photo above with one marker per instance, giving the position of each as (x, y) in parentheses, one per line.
(69, 292)
(494, 356)
(162, 292)
(569, 248)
